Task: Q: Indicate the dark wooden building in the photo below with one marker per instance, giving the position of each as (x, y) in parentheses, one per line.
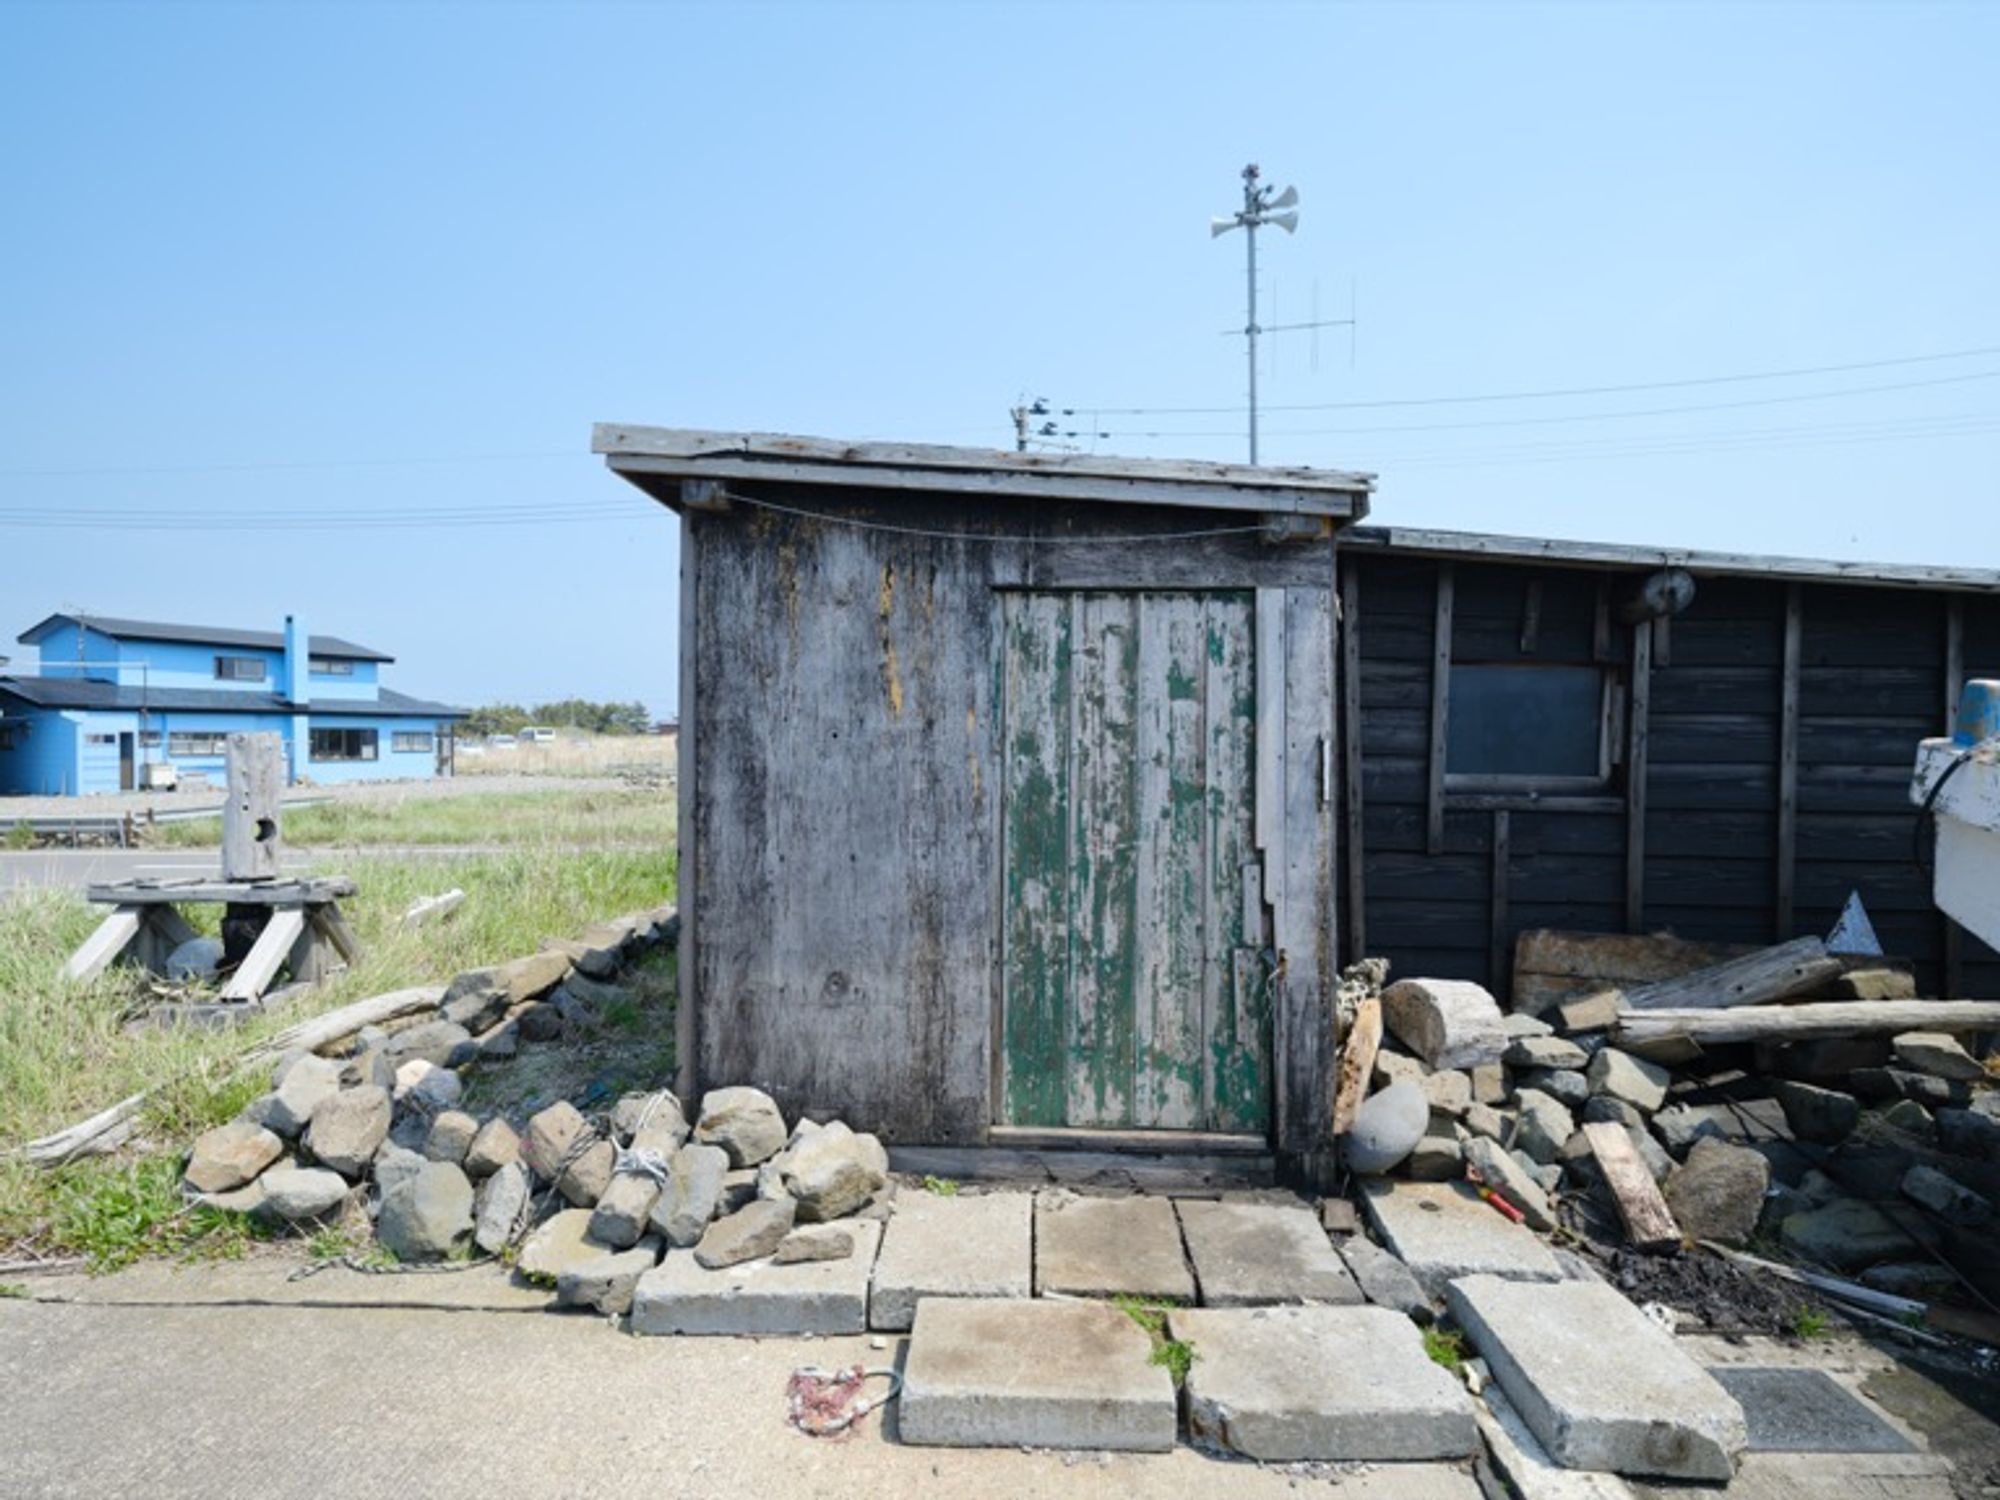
(1521, 752)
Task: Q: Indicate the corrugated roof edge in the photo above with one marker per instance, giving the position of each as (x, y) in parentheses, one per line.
(90, 694)
(641, 453)
(199, 635)
(1475, 544)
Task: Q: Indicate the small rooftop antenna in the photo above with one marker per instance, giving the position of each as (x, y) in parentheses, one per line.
(1261, 206)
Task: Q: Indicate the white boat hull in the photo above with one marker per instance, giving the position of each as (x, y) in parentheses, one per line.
(1966, 881)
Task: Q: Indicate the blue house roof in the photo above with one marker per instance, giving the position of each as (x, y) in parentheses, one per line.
(200, 635)
(82, 692)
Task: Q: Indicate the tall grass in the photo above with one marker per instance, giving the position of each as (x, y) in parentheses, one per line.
(646, 755)
(559, 816)
(65, 1051)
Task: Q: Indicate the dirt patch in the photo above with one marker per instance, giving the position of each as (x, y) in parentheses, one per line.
(1719, 1296)
(1953, 1398)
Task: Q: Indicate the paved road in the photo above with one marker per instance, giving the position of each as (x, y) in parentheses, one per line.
(80, 867)
(170, 1401)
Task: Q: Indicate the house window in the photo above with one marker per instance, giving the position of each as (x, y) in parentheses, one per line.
(329, 666)
(239, 668)
(1529, 724)
(413, 741)
(100, 739)
(198, 743)
(9, 736)
(149, 739)
(343, 744)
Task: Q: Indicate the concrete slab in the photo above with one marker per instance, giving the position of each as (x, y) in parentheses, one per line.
(1807, 1411)
(759, 1297)
(1100, 1247)
(981, 1246)
(1261, 1255)
(1330, 1384)
(1527, 1466)
(1443, 1230)
(990, 1372)
(1599, 1383)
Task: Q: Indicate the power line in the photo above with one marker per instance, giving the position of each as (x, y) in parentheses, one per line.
(278, 465)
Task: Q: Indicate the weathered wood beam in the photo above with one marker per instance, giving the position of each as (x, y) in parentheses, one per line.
(1801, 1023)
(1356, 852)
(1440, 709)
(1649, 1223)
(1357, 1064)
(267, 955)
(1497, 969)
(1788, 765)
(1638, 763)
(432, 909)
(1769, 974)
(687, 822)
(113, 935)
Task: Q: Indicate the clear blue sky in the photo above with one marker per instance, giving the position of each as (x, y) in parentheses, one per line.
(386, 261)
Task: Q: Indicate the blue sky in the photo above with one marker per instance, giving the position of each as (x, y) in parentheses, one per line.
(387, 263)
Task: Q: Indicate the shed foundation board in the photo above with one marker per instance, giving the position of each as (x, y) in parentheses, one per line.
(1600, 1384)
(1332, 1384)
(759, 1298)
(1258, 1254)
(995, 1373)
(1101, 1247)
(967, 1246)
(1443, 1230)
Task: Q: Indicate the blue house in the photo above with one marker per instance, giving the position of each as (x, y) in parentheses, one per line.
(115, 699)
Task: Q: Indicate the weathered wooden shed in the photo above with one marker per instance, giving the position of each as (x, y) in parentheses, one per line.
(1529, 743)
(1008, 797)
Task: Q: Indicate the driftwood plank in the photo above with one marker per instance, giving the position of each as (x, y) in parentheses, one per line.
(1800, 1023)
(113, 935)
(101, 1133)
(1649, 1224)
(1771, 974)
(1613, 957)
(1357, 1063)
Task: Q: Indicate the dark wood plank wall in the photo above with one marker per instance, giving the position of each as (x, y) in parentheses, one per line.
(1871, 669)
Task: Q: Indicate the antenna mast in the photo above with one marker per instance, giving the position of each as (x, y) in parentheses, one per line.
(1261, 206)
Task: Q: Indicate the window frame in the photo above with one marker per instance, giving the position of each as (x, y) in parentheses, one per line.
(428, 747)
(1610, 736)
(368, 742)
(329, 666)
(229, 668)
(180, 741)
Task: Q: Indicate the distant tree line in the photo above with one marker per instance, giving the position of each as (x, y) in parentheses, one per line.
(568, 713)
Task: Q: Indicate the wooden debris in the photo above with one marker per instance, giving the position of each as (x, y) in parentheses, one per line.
(1770, 974)
(432, 909)
(1357, 1063)
(1649, 1223)
(1552, 966)
(1800, 1023)
(99, 1135)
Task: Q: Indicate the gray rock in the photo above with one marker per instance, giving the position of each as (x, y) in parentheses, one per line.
(1651, 1152)
(1398, 1067)
(1845, 1235)
(744, 1122)
(500, 1205)
(1384, 1279)
(1518, 1024)
(1719, 1193)
(739, 1189)
(1494, 1124)
(588, 1174)
(494, 1146)
(660, 1113)
(606, 1282)
(539, 1023)
(1905, 1122)
(1490, 1083)
(197, 958)
(499, 1044)
(814, 1242)
(475, 999)
(1950, 1200)
(348, 1129)
(1505, 1176)
(1620, 1075)
(433, 1041)
(298, 1193)
(1568, 1087)
(228, 1156)
(1548, 1175)
(451, 1137)
(1824, 1116)
(425, 1087)
(304, 1085)
(1543, 1126)
(832, 1172)
(694, 1187)
(1449, 1023)
(1544, 1052)
(1602, 1109)
(556, 1244)
(1386, 1128)
(1969, 1132)
(745, 1235)
(395, 1164)
(1679, 1126)
(1449, 1091)
(1938, 1054)
(552, 1136)
(1436, 1158)
(596, 994)
(622, 1212)
(428, 1215)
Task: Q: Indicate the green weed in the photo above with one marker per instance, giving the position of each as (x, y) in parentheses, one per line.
(1809, 1322)
(12, 1289)
(20, 836)
(944, 1187)
(1445, 1346)
(114, 1214)
(1150, 1313)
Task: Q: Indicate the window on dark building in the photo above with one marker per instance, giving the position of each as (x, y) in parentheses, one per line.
(1529, 724)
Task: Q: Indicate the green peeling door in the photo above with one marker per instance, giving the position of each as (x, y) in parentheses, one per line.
(1136, 987)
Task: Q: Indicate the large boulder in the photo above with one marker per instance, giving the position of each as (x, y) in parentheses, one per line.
(746, 1234)
(557, 1243)
(228, 1156)
(495, 1146)
(624, 1208)
(348, 1129)
(499, 1205)
(298, 1193)
(652, 1122)
(1449, 1023)
(744, 1122)
(304, 1084)
(688, 1201)
(1386, 1128)
(553, 1135)
(833, 1172)
(428, 1215)
(1718, 1193)
(451, 1136)
(1620, 1075)
(394, 1163)
(606, 1282)
(588, 1174)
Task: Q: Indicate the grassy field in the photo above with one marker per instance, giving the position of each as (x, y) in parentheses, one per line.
(65, 1052)
(648, 757)
(560, 816)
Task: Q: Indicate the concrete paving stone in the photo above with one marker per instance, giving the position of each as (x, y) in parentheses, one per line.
(1333, 1384)
(1807, 1411)
(1260, 1254)
(1443, 1230)
(759, 1297)
(994, 1372)
(1100, 1247)
(1526, 1465)
(968, 1246)
(1598, 1382)
(1385, 1280)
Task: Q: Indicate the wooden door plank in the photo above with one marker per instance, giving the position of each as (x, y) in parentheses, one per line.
(1236, 992)
(1035, 927)
(1354, 854)
(1104, 843)
(1302, 1042)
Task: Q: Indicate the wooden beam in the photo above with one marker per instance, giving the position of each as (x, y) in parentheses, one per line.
(1638, 762)
(1649, 1223)
(1951, 935)
(333, 927)
(1531, 617)
(1768, 974)
(1788, 764)
(113, 935)
(241, 893)
(251, 846)
(1498, 977)
(1440, 708)
(1160, 1172)
(1357, 1064)
(687, 764)
(1356, 852)
(1804, 1023)
(267, 955)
